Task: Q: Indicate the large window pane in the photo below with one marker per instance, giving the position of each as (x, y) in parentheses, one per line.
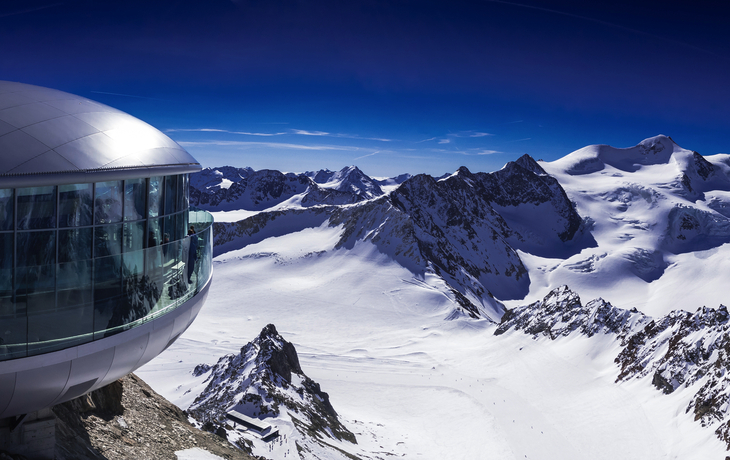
(108, 202)
(154, 232)
(74, 284)
(107, 290)
(135, 199)
(6, 209)
(155, 196)
(186, 191)
(170, 194)
(36, 288)
(74, 244)
(6, 264)
(36, 248)
(36, 207)
(75, 205)
(107, 240)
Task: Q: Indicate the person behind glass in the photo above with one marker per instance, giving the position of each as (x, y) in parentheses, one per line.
(165, 245)
(193, 253)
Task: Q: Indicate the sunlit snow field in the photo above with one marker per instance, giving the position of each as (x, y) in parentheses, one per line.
(410, 384)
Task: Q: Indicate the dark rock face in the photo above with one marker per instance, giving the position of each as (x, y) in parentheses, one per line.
(561, 313)
(127, 419)
(260, 382)
(676, 351)
(258, 190)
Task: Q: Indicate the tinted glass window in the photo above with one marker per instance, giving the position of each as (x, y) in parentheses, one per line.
(74, 245)
(155, 196)
(107, 240)
(36, 207)
(36, 248)
(170, 194)
(108, 202)
(135, 199)
(6, 209)
(74, 205)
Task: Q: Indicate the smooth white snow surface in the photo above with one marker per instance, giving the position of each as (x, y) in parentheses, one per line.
(410, 384)
(196, 453)
(636, 203)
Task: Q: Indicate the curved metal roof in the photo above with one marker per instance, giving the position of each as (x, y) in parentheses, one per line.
(52, 137)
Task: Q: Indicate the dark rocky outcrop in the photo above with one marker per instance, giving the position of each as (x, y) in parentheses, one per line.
(263, 380)
(127, 419)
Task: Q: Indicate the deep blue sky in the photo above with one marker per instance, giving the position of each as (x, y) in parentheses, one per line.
(392, 86)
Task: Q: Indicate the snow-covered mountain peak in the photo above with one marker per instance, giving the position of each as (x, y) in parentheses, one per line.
(266, 381)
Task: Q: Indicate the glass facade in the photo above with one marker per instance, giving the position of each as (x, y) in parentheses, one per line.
(85, 261)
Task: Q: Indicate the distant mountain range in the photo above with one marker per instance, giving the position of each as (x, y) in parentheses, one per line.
(646, 227)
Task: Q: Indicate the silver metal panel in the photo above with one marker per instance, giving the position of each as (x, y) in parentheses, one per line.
(159, 156)
(126, 357)
(126, 162)
(7, 388)
(72, 126)
(59, 131)
(87, 368)
(6, 128)
(76, 105)
(17, 147)
(182, 322)
(25, 115)
(45, 94)
(13, 100)
(45, 162)
(157, 343)
(38, 388)
(90, 152)
(106, 121)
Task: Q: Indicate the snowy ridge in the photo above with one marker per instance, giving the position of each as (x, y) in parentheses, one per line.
(265, 381)
(227, 188)
(682, 351)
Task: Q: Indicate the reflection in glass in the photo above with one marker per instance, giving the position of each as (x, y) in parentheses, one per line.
(186, 191)
(107, 290)
(74, 284)
(74, 244)
(170, 194)
(36, 207)
(74, 205)
(107, 240)
(135, 194)
(36, 248)
(6, 209)
(154, 234)
(108, 202)
(155, 196)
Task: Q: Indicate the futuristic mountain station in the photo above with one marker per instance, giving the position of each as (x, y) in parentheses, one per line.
(100, 270)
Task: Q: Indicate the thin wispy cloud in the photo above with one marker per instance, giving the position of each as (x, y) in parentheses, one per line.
(444, 141)
(127, 95)
(294, 132)
(30, 10)
(517, 140)
(304, 132)
(278, 145)
(215, 130)
(602, 22)
(368, 155)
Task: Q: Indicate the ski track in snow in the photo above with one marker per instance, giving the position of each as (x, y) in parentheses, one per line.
(411, 385)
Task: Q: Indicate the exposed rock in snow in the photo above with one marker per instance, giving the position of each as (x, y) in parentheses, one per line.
(681, 351)
(225, 189)
(265, 381)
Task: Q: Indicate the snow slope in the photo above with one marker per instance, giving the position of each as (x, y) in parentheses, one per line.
(655, 212)
(409, 384)
(652, 231)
